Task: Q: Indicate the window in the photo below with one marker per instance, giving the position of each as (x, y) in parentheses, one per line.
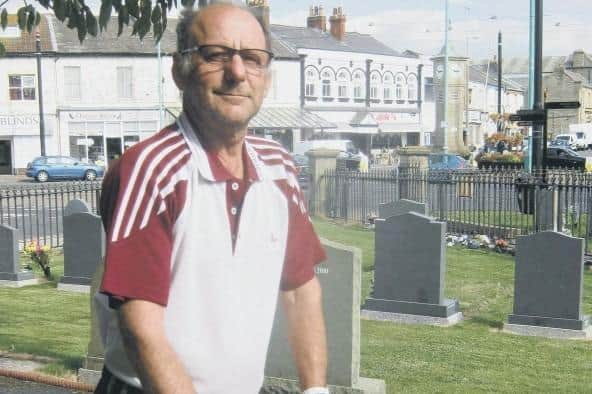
(399, 87)
(21, 87)
(374, 86)
(342, 82)
(358, 85)
(429, 90)
(412, 87)
(124, 82)
(309, 87)
(388, 87)
(326, 81)
(72, 82)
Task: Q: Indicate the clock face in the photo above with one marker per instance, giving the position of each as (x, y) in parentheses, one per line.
(439, 71)
(455, 69)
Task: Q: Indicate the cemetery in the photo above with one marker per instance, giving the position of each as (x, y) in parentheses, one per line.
(406, 309)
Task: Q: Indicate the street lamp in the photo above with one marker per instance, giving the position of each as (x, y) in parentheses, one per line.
(445, 117)
(40, 91)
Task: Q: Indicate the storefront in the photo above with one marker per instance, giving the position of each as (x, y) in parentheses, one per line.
(101, 136)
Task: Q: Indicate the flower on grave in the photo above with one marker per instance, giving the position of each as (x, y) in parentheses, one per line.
(40, 254)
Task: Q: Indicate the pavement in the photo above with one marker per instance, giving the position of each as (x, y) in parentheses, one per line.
(16, 386)
(15, 179)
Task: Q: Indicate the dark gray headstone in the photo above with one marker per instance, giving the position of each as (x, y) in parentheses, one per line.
(547, 209)
(549, 281)
(340, 278)
(10, 269)
(410, 266)
(84, 248)
(400, 207)
(76, 206)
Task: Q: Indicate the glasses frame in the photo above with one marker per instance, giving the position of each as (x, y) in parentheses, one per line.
(231, 51)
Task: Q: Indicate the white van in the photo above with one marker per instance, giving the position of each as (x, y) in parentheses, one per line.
(583, 133)
(566, 139)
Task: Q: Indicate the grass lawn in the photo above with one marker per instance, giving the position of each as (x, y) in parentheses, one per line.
(470, 357)
(474, 355)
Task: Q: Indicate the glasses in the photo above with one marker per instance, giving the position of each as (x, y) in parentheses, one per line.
(253, 59)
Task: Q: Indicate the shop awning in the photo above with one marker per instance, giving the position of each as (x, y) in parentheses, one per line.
(280, 118)
(288, 118)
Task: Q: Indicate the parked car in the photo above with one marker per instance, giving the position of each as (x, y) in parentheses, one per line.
(446, 161)
(46, 168)
(563, 157)
(570, 139)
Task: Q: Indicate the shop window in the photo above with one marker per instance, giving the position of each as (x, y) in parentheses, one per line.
(72, 82)
(124, 82)
(21, 87)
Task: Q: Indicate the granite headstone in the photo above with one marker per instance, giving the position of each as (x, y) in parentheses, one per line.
(11, 273)
(400, 207)
(549, 282)
(340, 279)
(84, 247)
(410, 267)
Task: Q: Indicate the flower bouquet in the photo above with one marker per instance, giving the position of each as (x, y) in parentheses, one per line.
(41, 254)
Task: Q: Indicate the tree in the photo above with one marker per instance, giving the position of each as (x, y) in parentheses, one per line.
(145, 15)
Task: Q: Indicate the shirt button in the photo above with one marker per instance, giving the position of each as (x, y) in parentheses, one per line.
(233, 211)
(234, 186)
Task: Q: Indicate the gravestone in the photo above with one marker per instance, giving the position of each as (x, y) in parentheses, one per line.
(548, 287)
(409, 272)
(84, 247)
(95, 354)
(400, 207)
(340, 278)
(11, 274)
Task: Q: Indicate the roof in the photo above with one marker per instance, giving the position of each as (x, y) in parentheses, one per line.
(478, 73)
(297, 37)
(25, 42)
(288, 117)
(519, 65)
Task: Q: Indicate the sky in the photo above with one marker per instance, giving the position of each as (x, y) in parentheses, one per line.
(418, 25)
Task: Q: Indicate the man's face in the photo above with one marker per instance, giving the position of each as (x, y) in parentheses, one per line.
(230, 93)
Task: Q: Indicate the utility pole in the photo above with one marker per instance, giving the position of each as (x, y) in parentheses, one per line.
(537, 129)
(499, 81)
(445, 117)
(40, 91)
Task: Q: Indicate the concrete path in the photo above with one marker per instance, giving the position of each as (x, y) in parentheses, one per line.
(14, 386)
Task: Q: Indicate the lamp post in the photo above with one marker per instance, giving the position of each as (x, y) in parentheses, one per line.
(445, 117)
(537, 87)
(40, 90)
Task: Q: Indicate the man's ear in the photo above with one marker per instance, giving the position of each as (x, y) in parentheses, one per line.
(177, 72)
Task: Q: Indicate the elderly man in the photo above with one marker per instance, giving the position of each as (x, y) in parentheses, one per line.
(205, 227)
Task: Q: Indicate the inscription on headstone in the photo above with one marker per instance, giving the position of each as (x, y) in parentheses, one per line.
(340, 279)
(410, 267)
(84, 247)
(549, 282)
(400, 207)
(11, 273)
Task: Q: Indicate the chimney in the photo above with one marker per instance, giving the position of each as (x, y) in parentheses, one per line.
(260, 8)
(337, 21)
(316, 19)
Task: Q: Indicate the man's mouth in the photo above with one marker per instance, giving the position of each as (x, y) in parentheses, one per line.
(229, 94)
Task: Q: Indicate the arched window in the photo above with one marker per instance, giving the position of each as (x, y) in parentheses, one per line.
(342, 85)
(358, 83)
(412, 87)
(388, 86)
(310, 84)
(400, 87)
(375, 81)
(327, 81)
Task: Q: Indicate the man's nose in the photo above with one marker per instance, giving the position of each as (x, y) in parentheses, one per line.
(235, 69)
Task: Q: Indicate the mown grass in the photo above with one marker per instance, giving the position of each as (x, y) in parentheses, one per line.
(473, 356)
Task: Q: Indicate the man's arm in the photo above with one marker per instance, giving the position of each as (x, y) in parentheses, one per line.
(158, 366)
(306, 331)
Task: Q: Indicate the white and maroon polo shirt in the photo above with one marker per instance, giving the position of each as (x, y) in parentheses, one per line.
(214, 250)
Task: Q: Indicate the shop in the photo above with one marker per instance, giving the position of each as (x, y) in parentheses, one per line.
(101, 136)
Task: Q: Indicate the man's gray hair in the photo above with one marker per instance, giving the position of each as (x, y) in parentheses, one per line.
(186, 39)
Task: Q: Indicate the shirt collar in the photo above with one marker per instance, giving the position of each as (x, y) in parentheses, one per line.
(208, 163)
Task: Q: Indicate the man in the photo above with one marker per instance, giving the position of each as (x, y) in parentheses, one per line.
(205, 226)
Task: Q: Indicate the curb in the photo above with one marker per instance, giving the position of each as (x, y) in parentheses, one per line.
(48, 380)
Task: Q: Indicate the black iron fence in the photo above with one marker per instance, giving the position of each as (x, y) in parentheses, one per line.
(497, 203)
(36, 210)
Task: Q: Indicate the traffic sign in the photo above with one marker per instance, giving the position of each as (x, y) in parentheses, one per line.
(563, 105)
(528, 115)
(524, 124)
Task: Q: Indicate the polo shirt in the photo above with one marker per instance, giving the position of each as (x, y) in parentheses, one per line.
(212, 249)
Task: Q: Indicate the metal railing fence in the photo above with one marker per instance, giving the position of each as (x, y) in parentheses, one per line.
(36, 210)
(494, 202)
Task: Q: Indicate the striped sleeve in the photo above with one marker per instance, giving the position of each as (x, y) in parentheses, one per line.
(147, 191)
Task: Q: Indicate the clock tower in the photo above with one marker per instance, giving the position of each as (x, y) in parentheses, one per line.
(458, 80)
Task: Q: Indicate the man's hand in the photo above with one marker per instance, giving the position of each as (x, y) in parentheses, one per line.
(142, 329)
(306, 331)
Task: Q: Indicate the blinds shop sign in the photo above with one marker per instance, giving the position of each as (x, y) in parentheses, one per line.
(19, 124)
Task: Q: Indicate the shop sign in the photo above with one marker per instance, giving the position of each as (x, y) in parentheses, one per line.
(90, 116)
(395, 117)
(19, 122)
(85, 141)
